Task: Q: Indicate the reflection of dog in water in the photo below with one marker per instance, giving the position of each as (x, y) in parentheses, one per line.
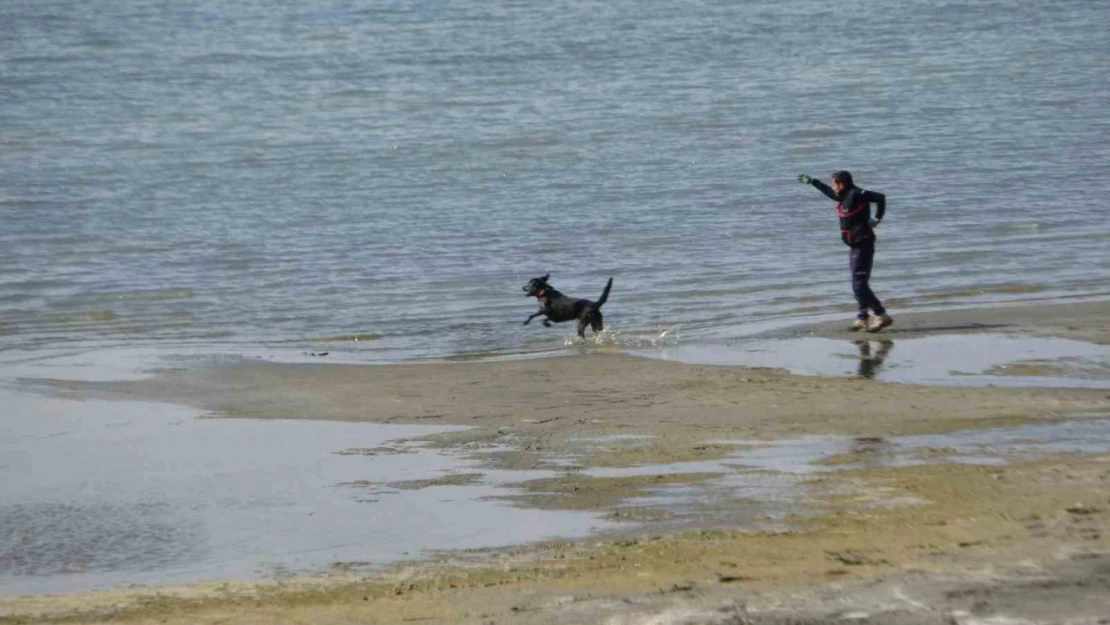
(869, 362)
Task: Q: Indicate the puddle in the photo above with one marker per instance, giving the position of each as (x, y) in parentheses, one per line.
(105, 365)
(987, 446)
(811, 454)
(613, 438)
(763, 481)
(113, 364)
(1028, 441)
(975, 359)
(95, 494)
(98, 494)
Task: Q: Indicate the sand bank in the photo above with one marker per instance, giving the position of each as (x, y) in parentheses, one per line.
(919, 543)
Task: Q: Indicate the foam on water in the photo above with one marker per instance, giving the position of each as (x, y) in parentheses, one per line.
(609, 336)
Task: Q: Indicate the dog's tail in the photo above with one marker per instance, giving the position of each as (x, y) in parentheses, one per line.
(604, 295)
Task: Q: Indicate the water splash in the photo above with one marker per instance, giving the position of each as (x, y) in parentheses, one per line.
(608, 336)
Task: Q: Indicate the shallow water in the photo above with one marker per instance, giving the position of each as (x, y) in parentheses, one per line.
(965, 359)
(294, 175)
(95, 494)
(764, 481)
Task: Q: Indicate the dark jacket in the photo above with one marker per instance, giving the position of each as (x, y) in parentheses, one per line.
(854, 208)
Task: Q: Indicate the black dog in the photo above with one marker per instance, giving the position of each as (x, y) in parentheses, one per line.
(558, 307)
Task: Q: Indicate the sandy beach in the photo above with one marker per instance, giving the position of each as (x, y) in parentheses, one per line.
(920, 540)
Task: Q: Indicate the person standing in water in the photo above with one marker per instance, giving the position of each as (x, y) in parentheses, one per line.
(857, 230)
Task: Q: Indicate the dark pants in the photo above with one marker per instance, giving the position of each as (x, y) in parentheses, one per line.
(859, 261)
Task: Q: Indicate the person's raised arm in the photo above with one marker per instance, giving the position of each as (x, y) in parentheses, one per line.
(817, 184)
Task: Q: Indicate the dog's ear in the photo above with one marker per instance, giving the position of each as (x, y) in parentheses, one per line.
(544, 279)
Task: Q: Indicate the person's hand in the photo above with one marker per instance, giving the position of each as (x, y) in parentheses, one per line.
(804, 178)
(873, 223)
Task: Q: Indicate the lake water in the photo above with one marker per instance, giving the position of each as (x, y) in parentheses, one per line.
(288, 176)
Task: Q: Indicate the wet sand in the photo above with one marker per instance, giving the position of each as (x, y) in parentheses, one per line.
(931, 543)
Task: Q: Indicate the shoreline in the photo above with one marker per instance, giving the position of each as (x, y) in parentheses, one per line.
(1054, 318)
(1084, 320)
(585, 414)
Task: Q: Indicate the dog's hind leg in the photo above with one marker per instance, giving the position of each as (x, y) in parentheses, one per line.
(582, 323)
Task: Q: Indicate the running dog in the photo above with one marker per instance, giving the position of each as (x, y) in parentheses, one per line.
(558, 308)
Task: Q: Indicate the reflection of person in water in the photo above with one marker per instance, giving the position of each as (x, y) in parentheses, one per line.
(869, 362)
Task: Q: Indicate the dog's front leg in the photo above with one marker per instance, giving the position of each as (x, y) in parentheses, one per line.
(533, 316)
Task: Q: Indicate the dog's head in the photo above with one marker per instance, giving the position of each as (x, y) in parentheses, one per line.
(536, 287)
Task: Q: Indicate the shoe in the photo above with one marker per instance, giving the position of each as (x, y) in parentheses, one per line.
(879, 322)
(860, 324)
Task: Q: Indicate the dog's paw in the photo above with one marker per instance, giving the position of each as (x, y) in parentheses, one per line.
(546, 323)
(527, 321)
